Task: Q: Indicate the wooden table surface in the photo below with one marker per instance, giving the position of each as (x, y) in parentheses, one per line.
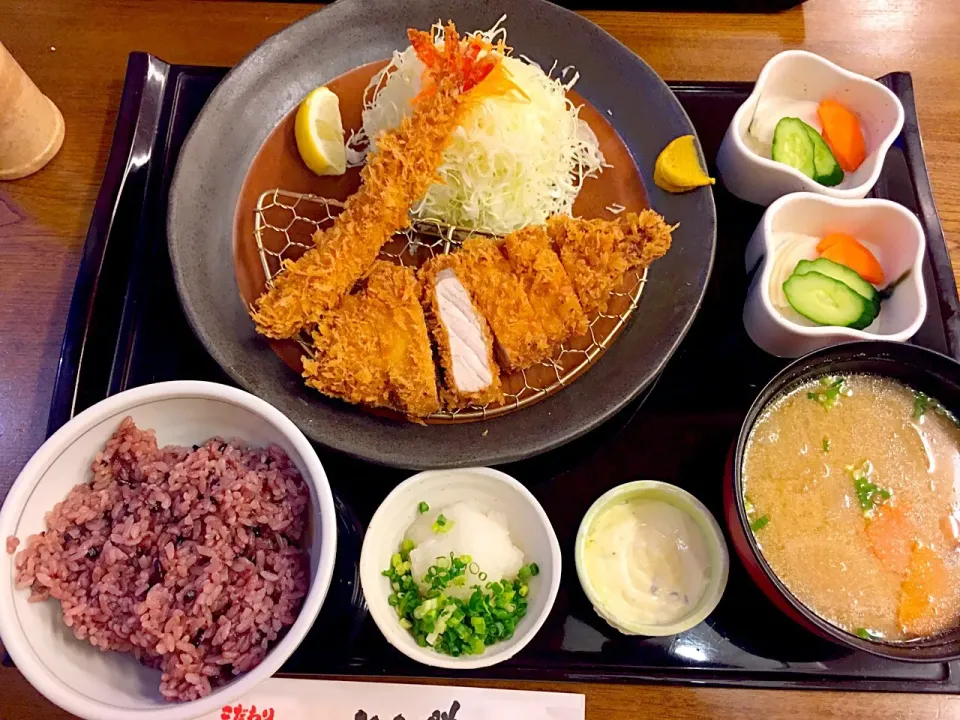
(76, 51)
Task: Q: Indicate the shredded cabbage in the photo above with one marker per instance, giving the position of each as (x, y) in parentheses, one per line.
(512, 163)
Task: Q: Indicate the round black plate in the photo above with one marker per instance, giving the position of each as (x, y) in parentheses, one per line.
(259, 92)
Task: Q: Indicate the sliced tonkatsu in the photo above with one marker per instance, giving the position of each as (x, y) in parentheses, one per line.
(374, 349)
(547, 284)
(463, 340)
(597, 254)
(500, 297)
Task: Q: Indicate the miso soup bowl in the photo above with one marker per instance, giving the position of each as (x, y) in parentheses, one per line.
(921, 369)
(800, 75)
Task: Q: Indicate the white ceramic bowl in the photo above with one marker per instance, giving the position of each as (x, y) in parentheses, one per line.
(716, 546)
(113, 686)
(797, 75)
(889, 230)
(530, 530)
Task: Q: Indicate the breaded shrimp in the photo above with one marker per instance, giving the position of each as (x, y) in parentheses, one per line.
(396, 176)
(373, 349)
(597, 254)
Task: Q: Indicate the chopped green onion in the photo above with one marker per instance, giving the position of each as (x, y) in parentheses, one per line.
(867, 634)
(451, 625)
(923, 402)
(529, 571)
(442, 525)
(869, 494)
(760, 523)
(829, 392)
(423, 507)
(825, 444)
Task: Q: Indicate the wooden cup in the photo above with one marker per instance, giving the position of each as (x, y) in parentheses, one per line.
(31, 126)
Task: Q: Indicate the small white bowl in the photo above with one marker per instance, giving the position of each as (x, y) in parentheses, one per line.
(891, 232)
(797, 75)
(99, 685)
(697, 511)
(530, 530)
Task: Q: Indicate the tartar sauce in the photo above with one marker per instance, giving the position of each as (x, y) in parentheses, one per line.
(647, 561)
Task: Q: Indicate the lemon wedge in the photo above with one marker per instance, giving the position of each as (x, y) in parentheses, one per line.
(678, 167)
(319, 132)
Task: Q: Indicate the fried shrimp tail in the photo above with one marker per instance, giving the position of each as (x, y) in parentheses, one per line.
(396, 176)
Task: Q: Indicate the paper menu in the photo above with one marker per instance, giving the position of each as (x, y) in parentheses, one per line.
(287, 699)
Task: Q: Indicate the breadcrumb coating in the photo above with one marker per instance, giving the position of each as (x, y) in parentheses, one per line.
(547, 284)
(396, 176)
(500, 297)
(374, 350)
(597, 254)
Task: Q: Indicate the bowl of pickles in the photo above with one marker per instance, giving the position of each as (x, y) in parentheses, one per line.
(827, 271)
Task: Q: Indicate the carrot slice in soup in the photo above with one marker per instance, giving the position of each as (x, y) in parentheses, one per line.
(892, 537)
(927, 583)
(846, 250)
(841, 130)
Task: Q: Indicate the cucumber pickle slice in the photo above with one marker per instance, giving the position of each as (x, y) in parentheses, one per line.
(826, 169)
(792, 146)
(825, 300)
(797, 144)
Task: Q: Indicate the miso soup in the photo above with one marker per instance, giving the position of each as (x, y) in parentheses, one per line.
(851, 485)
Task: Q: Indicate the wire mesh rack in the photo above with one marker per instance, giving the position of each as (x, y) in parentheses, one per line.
(285, 223)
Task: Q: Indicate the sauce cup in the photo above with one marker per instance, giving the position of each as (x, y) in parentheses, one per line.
(719, 560)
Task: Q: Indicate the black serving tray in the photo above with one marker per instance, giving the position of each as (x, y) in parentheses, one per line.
(126, 328)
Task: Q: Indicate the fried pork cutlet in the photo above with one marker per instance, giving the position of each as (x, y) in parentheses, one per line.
(597, 254)
(464, 344)
(546, 283)
(373, 349)
(397, 175)
(500, 296)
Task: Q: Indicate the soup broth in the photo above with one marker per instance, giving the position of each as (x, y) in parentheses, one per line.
(851, 486)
